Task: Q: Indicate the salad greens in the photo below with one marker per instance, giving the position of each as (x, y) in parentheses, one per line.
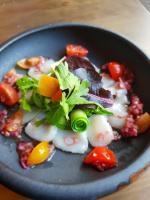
(26, 84)
(74, 92)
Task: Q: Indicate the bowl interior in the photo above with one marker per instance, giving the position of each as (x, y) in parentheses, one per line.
(103, 46)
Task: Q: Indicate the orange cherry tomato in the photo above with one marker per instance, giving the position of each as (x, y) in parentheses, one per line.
(39, 154)
(57, 96)
(48, 86)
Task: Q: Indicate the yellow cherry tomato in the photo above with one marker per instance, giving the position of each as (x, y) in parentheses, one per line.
(48, 85)
(39, 154)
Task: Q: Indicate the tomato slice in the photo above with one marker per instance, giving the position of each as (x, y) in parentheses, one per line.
(8, 95)
(116, 70)
(101, 157)
(76, 50)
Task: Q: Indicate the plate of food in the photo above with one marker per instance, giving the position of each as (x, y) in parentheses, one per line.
(74, 112)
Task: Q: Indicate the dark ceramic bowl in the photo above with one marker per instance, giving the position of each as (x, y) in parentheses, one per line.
(66, 177)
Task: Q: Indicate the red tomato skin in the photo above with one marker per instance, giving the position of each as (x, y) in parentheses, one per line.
(57, 96)
(116, 70)
(8, 94)
(101, 157)
(76, 50)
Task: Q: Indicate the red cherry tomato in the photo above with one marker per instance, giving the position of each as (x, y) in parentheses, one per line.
(76, 50)
(57, 96)
(116, 70)
(8, 95)
(101, 157)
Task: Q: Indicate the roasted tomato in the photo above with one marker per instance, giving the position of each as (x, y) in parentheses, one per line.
(8, 95)
(13, 125)
(116, 70)
(102, 158)
(76, 50)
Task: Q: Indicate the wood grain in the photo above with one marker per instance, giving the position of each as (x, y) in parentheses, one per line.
(128, 17)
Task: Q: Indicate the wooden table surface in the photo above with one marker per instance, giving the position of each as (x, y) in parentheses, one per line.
(128, 17)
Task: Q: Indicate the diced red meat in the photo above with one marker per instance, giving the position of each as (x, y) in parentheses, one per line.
(136, 106)
(24, 150)
(117, 136)
(42, 61)
(126, 81)
(3, 117)
(11, 77)
(13, 125)
(130, 128)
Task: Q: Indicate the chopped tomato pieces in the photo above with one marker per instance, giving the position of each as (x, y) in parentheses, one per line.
(8, 94)
(76, 50)
(116, 70)
(102, 158)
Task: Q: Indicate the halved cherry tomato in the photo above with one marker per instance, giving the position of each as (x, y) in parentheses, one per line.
(57, 96)
(116, 70)
(39, 154)
(76, 50)
(8, 95)
(48, 86)
(101, 157)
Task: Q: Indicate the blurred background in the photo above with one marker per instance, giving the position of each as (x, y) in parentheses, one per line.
(130, 18)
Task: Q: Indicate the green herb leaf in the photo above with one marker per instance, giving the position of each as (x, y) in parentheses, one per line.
(56, 116)
(25, 84)
(67, 80)
(98, 110)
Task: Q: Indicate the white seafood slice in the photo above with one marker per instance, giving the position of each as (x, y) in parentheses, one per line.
(110, 84)
(99, 131)
(41, 133)
(28, 116)
(46, 67)
(120, 112)
(71, 142)
(121, 96)
(35, 72)
(107, 81)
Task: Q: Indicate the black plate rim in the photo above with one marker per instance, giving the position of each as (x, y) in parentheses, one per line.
(95, 188)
